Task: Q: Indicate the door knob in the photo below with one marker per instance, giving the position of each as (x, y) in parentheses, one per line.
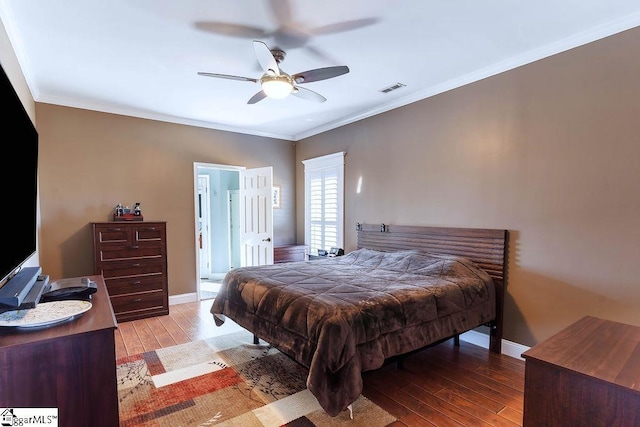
(268, 239)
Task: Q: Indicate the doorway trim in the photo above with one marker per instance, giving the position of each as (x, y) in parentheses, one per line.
(204, 231)
(196, 167)
(233, 202)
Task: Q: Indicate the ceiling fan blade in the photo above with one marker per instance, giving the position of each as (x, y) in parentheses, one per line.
(290, 37)
(265, 57)
(320, 74)
(257, 97)
(228, 77)
(341, 27)
(234, 30)
(281, 11)
(291, 34)
(309, 95)
(288, 34)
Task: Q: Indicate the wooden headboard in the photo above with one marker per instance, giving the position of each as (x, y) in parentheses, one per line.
(485, 247)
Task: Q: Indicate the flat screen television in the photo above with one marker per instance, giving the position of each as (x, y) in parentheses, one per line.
(19, 184)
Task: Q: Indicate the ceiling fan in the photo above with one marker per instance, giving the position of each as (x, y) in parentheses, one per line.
(276, 83)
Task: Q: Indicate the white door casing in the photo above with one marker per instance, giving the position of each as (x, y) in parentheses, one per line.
(204, 226)
(234, 228)
(256, 222)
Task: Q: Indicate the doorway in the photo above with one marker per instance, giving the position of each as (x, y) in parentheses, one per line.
(218, 247)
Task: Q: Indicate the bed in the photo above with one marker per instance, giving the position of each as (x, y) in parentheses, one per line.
(402, 289)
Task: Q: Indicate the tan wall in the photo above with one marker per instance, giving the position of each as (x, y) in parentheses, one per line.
(549, 151)
(91, 161)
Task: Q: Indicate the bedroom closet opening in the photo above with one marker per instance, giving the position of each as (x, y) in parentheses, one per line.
(217, 225)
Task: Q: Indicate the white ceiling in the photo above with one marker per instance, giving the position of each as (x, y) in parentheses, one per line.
(141, 57)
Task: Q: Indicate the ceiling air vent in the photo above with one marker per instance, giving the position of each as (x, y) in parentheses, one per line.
(391, 88)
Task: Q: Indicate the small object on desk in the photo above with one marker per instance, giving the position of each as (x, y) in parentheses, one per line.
(322, 252)
(45, 314)
(33, 297)
(336, 252)
(13, 292)
(80, 288)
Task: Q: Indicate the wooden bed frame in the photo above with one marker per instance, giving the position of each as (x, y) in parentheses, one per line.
(485, 247)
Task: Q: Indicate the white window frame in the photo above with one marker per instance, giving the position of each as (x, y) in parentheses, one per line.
(332, 163)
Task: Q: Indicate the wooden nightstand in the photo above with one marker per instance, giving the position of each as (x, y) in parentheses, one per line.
(586, 375)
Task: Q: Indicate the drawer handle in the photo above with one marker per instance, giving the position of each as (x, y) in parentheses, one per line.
(135, 265)
(137, 282)
(137, 300)
(135, 247)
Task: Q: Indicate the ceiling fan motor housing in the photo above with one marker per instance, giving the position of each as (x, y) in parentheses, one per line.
(278, 54)
(277, 86)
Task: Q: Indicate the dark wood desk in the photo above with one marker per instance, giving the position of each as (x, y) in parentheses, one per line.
(586, 375)
(69, 366)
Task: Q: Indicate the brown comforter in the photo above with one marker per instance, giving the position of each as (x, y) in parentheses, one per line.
(345, 315)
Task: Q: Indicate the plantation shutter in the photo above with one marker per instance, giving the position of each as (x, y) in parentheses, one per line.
(324, 189)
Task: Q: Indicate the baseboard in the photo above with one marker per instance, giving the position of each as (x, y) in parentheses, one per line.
(183, 298)
(509, 348)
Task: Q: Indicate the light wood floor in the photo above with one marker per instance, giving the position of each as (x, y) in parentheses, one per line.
(440, 386)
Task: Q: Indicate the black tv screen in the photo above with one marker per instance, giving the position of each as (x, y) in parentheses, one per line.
(18, 187)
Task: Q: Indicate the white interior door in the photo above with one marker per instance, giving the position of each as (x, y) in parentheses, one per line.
(256, 222)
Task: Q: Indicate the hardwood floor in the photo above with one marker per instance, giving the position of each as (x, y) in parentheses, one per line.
(439, 386)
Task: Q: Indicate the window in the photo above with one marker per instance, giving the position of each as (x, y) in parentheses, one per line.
(324, 201)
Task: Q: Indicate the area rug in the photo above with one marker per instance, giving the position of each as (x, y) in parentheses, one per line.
(226, 381)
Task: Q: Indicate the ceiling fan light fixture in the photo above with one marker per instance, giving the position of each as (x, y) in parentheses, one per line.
(276, 86)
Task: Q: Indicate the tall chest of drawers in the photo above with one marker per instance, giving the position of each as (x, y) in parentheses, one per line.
(132, 258)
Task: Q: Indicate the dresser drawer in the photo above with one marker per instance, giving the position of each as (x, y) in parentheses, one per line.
(135, 303)
(290, 253)
(113, 234)
(132, 285)
(131, 234)
(132, 268)
(123, 252)
(147, 234)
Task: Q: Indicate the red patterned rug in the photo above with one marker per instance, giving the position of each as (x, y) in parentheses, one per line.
(226, 381)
